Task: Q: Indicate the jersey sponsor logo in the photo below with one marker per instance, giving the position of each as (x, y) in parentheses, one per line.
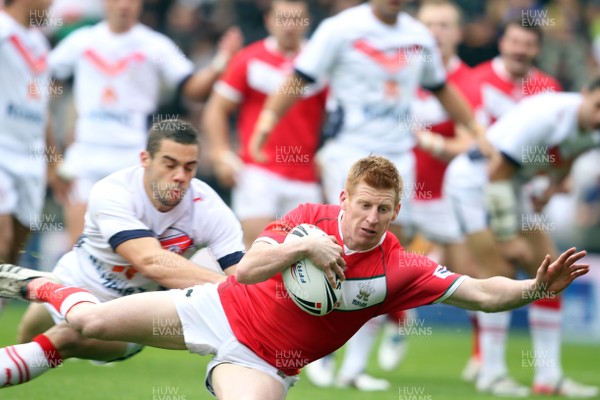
(117, 278)
(358, 294)
(175, 240)
(36, 65)
(112, 68)
(24, 113)
(102, 115)
(442, 272)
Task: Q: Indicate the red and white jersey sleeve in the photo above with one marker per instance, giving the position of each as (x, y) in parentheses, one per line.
(255, 73)
(117, 80)
(374, 71)
(24, 88)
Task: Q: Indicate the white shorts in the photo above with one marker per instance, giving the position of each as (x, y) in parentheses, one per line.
(263, 194)
(464, 187)
(335, 160)
(88, 164)
(436, 221)
(206, 330)
(69, 272)
(22, 187)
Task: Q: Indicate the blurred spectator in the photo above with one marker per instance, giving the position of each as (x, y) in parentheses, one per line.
(565, 53)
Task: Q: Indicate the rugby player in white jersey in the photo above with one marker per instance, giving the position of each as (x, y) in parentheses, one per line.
(258, 336)
(263, 191)
(138, 223)
(25, 137)
(375, 57)
(118, 67)
(543, 135)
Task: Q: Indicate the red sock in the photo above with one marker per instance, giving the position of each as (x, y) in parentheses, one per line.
(475, 323)
(54, 359)
(61, 297)
(554, 303)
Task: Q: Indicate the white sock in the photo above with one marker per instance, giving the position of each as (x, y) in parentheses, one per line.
(544, 324)
(358, 349)
(21, 363)
(493, 328)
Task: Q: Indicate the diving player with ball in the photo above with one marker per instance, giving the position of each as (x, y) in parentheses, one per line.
(259, 336)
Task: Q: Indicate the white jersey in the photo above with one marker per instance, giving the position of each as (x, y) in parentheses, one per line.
(374, 71)
(120, 209)
(542, 135)
(24, 88)
(117, 80)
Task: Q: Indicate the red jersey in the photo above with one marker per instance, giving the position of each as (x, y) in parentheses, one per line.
(426, 109)
(384, 279)
(256, 72)
(498, 93)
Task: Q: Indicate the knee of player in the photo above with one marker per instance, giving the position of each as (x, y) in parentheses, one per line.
(88, 323)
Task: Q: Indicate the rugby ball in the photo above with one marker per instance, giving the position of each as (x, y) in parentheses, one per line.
(305, 283)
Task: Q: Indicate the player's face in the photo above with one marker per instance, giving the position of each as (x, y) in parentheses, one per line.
(518, 48)
(387, 10)
(169, 172)
(287, 23)
(122, 14)
(443, 22)
(368, 213)
(589, 112)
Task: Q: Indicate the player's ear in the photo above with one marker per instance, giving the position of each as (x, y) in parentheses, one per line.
(344, 199)
(145, 158)
(397, 210)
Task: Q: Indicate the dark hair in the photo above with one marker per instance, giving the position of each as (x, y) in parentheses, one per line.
(8, 2)
(170, 129)
(530, 25)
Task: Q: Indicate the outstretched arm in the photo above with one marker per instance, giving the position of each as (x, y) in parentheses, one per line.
(501, 294)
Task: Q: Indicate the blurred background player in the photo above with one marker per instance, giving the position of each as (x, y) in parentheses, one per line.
(28, 151)
(375, 58)
(498, 86)
(119, 66)
(264, 191)
(437, 143)
(503, 81)
(544, 134)
(139, 222)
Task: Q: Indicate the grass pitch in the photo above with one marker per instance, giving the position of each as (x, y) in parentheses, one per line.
(430, 371)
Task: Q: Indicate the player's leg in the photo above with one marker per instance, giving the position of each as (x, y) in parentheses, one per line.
(464, 185)
(545, 317)
(254, 201)
(250, 384)
(352, 372)
(24, 362)
(36, 320)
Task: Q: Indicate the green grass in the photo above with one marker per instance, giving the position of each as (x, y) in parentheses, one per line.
(430, 372)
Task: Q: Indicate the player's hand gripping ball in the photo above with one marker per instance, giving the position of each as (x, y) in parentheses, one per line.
(307, 284)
